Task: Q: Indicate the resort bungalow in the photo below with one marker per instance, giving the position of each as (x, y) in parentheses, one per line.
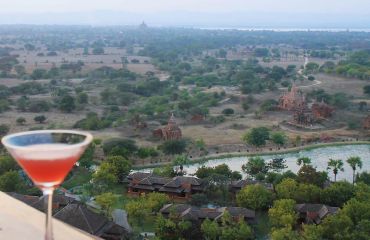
(196, 214)
(314, 213)
(178, 188)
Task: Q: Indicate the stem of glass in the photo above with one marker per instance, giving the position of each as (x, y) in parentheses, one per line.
(48, 196)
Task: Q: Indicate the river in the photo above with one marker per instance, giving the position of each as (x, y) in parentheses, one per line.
(319, 158)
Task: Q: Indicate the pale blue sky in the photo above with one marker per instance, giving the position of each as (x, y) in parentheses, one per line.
(314, 6)
(315, 13)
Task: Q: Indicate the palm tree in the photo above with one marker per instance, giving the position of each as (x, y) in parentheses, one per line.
(336, 166)
(354, 162)
(304, 161)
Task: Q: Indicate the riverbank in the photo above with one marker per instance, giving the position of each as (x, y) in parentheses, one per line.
(258, 153)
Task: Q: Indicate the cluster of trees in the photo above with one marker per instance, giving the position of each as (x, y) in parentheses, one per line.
(260, 135)
(357, 65)
(351, 222)
(339, 99)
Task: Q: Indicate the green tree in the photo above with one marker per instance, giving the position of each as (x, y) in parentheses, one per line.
(7, 164)
(256, 197)
(337, 194)
(120, 146)
(106, 201)
(363, 177)
(257, 136)
(335, 166)
(4, 129)
(87, 158)
(277, 164)
(282, 214)
(279, 138)
(67, 104)
(105, 175)
(338, 226)
(304, 161)
(254, 166)
(82, 98)
(120, 165)
(155, 201)
(210, 230)
(11, 182)
(165, 171)
(354, 162)
(166, 229)
(173, 147)
(285, 233)
(311, 232)
(98, 51)
(40, 119)
(308, 174)
(21, 121)
(4, 105)
(367, 89)
(287, 189)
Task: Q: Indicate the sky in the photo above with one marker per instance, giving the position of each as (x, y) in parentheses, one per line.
(292, 13)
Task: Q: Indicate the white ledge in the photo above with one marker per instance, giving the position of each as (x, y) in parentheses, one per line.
(22, 222)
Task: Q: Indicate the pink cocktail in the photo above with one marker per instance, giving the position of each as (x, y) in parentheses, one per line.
(47, 156)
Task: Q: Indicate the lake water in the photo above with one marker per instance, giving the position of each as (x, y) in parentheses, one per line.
(319, 158)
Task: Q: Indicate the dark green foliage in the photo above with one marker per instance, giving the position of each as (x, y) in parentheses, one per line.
(338, 193)
(309, 175)
(31, 88)
(173, 147)
(40, 119)
(87, 158)
(357, 66)
(39, 74)
(254, 166)
(11, 182)
(119, 146)
(367, 89)
(261, 52)
(279, 138)
(38, 106)
(82, 98)
(4, 105)
(4, 129)
(67, 104)
(98, 51)
(228, 111)
(363, 177)
(222, 169)
(7, 164)
(269, 105)
(257, 136)
(21, 120)
(93, 122)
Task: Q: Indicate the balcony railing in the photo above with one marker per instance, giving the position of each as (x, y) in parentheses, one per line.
(20, 221)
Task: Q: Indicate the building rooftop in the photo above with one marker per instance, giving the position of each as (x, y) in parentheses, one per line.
(22, 222)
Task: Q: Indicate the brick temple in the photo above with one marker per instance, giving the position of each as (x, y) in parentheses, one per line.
(170, 132)
(294, 99)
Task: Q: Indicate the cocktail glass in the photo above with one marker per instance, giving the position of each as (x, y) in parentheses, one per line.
(47, 156)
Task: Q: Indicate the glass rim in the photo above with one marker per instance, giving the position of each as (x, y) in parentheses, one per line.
(86, 141)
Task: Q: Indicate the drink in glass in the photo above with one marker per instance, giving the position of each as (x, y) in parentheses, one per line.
(47, 156)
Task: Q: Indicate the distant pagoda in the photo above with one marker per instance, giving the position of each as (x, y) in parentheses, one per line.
(143, 25)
